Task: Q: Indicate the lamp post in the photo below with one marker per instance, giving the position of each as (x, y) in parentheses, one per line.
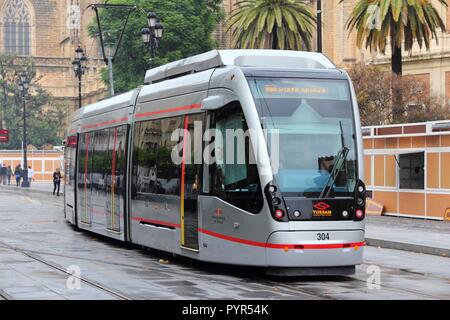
(23, 88)
(319, 26)
(152, 35)
(79, 67)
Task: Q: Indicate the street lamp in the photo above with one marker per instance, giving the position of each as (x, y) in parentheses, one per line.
(23, 88)
(152, 34)
(79, 65)
(152, 19)
(319, 26)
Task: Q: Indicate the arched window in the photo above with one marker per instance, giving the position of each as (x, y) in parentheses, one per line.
(17, 28)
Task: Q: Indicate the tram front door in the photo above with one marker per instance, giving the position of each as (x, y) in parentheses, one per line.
(190, 183)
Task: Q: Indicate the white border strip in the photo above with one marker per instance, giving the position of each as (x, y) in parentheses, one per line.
(391, 214)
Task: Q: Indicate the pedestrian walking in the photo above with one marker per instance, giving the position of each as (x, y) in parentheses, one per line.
(9, 173)
(3, 173)
(56, 181)
(18, 174)
(30, 175)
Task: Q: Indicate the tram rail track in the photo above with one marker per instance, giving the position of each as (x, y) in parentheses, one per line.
(4, 296)
(112, 292)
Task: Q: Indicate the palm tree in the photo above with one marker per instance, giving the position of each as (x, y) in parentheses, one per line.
(400, 21)
(282, 24)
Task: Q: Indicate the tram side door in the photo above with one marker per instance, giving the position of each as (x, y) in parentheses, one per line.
(190, 181)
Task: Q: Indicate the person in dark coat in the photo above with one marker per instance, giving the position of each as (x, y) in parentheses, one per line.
(3, 172)
(18, 174)
(56, 181)
(9, 173)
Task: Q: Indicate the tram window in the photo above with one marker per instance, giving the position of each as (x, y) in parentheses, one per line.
(101, 159)
(146, 139)
(167, 173)
(114, 176)
(235, 180)
(412, 171)
(85, 155)
(121, 158)
(153, 169)
(81, 159)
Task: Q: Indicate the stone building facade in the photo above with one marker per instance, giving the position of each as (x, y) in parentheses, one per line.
(432, 67)
(49, 31)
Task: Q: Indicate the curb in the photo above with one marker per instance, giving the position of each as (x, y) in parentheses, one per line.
(442, 252)
(16, 190)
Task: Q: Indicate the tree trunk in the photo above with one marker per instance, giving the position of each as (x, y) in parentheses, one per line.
(274, 38)
(398, 107)
(396, 63)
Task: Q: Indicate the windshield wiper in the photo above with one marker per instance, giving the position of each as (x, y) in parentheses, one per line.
(338, 163)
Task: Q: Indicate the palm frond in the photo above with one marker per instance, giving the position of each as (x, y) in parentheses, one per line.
(402, 22)
(253, 23)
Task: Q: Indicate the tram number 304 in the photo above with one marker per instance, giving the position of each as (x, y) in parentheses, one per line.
(323, 236)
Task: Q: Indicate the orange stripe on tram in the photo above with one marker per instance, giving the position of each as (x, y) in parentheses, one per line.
(86, 160)
(183, 178)
(113, 181)
(105, 123)
(176, 109)
(257, 243)
(157, 222)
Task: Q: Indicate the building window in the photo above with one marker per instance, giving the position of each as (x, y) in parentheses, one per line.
(412, 171)
(17, 28)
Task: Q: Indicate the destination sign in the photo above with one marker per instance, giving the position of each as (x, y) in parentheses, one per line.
(302, 90)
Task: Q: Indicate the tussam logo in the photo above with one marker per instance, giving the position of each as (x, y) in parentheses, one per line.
(322, 210)
(322, 206)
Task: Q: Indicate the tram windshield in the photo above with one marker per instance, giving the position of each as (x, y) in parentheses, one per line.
(310, 131)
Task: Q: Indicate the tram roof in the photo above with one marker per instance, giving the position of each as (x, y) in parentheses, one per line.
(240, 58)
(120, 101)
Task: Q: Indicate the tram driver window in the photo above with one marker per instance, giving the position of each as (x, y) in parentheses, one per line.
(237, 181)
(411, 168)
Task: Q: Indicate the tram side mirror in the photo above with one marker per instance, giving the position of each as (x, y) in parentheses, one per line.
(215, 102)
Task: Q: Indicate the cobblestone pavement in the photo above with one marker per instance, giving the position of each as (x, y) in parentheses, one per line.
(37, 246)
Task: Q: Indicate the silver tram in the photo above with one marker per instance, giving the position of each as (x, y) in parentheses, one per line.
(294, 203)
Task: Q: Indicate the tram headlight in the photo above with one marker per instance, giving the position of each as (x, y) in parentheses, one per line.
(359, 214)
(272, 189)
(345, 213)
(279, 214)
(361, 189)
(276, 201)
(361, 202)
